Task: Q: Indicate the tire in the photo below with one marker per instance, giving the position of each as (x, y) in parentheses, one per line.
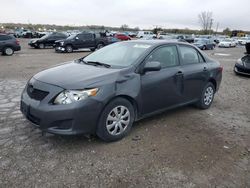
(207, 96)
(41, 46)
(69, 49)
(100, 45)
(92, 49)
(203, 47)
(112, 125)
(8, 51)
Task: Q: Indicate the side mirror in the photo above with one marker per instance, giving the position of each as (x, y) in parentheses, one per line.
(152, 66)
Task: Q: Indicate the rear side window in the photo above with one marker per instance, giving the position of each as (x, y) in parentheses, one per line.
(166, 55)
(85, 36)
(189, 55)
(5, 37)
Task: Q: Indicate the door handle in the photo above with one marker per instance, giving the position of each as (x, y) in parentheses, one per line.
(179, 73)
(205, 69)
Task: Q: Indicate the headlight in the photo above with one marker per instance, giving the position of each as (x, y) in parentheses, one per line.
(239, 61)
(70, 96)
(61, 43)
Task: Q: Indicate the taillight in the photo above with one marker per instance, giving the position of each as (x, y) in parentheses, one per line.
(220, 68)
(17, 42)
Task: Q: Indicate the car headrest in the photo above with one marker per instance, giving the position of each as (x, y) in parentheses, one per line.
(248, 48)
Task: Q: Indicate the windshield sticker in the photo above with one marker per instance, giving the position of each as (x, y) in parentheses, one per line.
(141, 46)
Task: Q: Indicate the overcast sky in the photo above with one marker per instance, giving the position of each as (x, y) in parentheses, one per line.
(141, 13)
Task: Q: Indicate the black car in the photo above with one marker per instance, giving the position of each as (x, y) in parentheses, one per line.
(204, 44)
(106, 91)
(82, 40)
(242, 65)
(47, 40)
(9, 44)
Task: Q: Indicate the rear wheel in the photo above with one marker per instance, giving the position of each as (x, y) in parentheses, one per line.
(69, 49)
(8, 51)
(116, 120)
(99, 46)
(207, 96)
(203, 47)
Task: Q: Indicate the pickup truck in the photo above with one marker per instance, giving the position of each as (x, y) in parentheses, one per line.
(82, 40)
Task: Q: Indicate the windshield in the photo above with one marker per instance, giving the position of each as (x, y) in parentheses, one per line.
(120, 54)
(72, 36)
(45, 36)
(200, 41)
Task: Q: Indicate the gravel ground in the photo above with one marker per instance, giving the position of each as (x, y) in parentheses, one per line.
(186, 147)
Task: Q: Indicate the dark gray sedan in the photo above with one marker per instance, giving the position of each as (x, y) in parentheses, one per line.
(106, 91)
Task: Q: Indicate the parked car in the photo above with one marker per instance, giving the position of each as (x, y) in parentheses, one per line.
(122, 36)
(227, 43)
(106, 91)
(83, 40)
(145, 34)
(204, 44)
(244, 40)
(47, 40)
(242, 65)
(9, 44)
(187, 38)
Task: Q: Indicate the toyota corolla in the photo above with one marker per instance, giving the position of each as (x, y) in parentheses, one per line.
(105, 92)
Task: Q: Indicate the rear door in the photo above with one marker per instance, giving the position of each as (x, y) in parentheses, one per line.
(161, 89)
(195, 72)
(86, 40)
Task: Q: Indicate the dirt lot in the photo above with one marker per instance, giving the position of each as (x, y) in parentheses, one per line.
(186, 147)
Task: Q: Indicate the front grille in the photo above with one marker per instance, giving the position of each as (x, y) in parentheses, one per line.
(36, 94)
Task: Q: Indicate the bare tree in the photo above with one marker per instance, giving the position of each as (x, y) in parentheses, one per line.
(124, 27)
(206, 20)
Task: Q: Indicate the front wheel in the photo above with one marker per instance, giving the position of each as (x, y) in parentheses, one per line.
(207, 96)
(116, 120)
(69, 49)
(41, 46)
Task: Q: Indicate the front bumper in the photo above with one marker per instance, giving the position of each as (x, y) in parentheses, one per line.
(33, 45)
(76, 118)
(60, 49)
(240, 69)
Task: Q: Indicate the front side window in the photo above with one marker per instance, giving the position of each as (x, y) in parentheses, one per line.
(189, 55)
(167, 56)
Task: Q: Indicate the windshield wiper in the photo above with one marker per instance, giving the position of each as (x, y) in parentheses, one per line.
(96, 63)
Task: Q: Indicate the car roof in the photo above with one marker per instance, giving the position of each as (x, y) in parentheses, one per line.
(156, 42)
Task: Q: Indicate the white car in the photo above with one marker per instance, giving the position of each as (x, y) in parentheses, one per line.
(145, 34)
(227, 43)
(244, 40)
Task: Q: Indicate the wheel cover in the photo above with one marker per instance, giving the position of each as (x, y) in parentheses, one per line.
(118, 120)
(69, 49)
(208, 96)
(8, 51)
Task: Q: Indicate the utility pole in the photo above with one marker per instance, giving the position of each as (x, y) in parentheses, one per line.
(217, 27)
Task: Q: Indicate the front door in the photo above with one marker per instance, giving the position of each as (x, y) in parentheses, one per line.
(161, 89)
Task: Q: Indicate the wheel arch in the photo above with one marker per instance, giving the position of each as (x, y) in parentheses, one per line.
(213, 81)
(128, 98)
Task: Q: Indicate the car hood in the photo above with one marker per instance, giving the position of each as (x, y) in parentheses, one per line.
(73, 75)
